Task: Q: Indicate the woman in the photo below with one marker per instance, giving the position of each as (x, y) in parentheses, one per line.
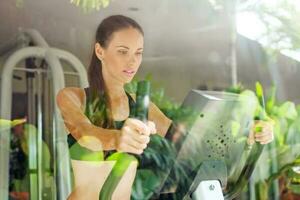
(116, 58)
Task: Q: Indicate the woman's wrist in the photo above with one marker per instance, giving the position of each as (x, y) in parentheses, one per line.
(108, 138)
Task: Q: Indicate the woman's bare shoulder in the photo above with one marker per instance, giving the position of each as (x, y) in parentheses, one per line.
(154, 108)
(71, 93)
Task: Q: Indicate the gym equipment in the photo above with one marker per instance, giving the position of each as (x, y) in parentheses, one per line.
(31, 47)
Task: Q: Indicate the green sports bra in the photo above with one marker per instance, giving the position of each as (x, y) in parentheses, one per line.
(78, 152)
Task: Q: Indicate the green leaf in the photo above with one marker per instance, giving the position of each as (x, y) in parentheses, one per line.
(293, 134)
(298, 109)
(7, 124)
(261, 112)
(280, 129)
(271, 100)
(237, 89)
(259, 93)
(90, 5)
(145, 184)
(288, 110)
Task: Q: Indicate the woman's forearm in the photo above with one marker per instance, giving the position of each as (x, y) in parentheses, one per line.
(90, 135)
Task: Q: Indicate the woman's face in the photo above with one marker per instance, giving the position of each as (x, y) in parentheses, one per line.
(122, 56)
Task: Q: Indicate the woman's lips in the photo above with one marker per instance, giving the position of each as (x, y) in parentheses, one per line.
(129, 72)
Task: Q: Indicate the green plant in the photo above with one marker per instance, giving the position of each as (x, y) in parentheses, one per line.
(284, 153)
(281, 156)
(91, 5)
(6, 124)
(27, 144)
(280, 160)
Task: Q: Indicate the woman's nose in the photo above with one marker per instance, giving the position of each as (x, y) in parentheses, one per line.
(132, 60)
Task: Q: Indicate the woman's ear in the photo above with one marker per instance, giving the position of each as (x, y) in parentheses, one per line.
(99, 51)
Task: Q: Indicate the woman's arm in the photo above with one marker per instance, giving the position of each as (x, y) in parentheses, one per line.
(71, 103)
(155, 115)
(160, 120)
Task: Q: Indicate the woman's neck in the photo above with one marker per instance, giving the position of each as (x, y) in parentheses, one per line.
(118, 100)
(115, 90)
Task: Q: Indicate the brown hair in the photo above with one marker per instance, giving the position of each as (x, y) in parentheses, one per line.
(104, 34)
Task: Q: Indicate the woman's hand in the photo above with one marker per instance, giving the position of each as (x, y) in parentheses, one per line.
(261, 131)
(135, 135)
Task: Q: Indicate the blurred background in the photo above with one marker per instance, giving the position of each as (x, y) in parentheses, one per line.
(189, 44)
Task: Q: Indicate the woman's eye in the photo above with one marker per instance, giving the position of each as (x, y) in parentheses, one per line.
(122, 52)
(139, 53)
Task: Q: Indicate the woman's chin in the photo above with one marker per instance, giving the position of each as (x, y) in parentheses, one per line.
(128, 80)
